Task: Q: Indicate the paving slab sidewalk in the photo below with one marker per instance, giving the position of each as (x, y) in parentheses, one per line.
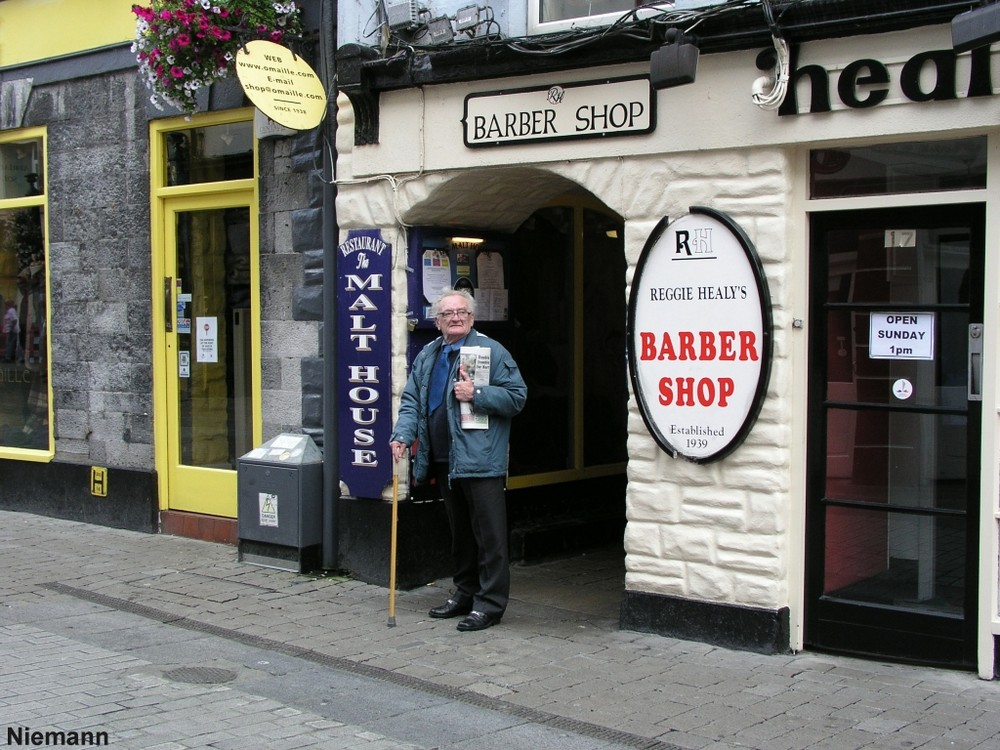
(558, 658)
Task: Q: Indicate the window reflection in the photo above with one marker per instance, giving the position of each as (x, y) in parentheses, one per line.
(21, 168)
(898, 168)
(560, 10)
(210, 154)
(901, 560)
(24, 404)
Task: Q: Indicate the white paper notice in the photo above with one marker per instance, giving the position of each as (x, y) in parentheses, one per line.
(901, 335)
(288, 442)
(489, 267)
(207, 339)
(491, 304)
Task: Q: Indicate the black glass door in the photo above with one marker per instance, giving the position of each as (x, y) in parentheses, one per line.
(893, 492)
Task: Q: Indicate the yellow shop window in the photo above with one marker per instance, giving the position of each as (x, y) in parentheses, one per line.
(24, 360)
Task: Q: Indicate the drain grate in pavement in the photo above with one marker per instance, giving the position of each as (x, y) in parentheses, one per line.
(200, 675)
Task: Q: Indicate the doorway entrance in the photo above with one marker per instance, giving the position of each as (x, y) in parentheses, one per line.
(568, 446)
(206, 305)
(208, 347)
(894, 432)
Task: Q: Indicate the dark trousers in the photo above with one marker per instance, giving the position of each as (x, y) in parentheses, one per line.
(477, 513)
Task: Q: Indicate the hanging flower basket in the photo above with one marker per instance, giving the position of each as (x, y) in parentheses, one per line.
(183, 45)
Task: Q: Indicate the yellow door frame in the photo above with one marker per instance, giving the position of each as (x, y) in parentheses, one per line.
(41, 202)
(217, 491)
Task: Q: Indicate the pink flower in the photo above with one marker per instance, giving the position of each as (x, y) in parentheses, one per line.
(177, 72)
(183, 40)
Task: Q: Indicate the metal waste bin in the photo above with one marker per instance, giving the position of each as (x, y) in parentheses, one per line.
(279, 504)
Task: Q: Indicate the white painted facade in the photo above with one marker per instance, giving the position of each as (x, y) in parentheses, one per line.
(732, 531)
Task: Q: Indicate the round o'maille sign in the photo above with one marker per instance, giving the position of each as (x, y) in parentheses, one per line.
(281, 84)
(700, 335)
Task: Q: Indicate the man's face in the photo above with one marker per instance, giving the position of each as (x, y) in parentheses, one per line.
(454, 319)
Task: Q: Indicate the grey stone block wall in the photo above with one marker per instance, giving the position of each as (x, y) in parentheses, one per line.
(98, 214)
(291, 285)
(101, 328)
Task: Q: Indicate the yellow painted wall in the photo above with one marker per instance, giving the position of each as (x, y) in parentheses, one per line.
(39, 29)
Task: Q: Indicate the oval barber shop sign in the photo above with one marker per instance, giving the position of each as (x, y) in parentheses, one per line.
(700, 335)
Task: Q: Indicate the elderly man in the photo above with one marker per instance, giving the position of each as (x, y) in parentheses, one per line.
(470, 465)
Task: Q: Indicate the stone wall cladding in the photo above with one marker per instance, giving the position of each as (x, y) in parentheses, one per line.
(716, 532)
(99, 256)
(290, 238)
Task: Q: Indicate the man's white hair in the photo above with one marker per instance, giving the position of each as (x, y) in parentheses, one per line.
(447, 291)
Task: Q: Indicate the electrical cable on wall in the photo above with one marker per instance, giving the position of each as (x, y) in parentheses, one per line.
(408, 28)
(769, 91)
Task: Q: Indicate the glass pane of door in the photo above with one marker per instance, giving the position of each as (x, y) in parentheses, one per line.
(901, 560)
(213, 300)
(895, 434)
(211, 393)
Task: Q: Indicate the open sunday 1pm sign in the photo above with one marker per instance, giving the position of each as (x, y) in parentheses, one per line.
(901, 335)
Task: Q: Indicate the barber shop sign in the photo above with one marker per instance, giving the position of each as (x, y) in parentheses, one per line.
(700, 335)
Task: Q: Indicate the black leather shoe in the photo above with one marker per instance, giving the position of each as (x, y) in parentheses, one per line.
(478, 621)
(451, 608)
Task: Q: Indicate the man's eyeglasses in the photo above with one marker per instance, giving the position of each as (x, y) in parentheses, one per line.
(460, 314)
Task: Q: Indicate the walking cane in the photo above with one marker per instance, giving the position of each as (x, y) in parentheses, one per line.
(392, 546)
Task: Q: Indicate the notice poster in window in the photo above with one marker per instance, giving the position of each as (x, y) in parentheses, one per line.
(491, 296)
(491, 304)
(435, 273)
(207, 339)
(490, 268)
(901, 335)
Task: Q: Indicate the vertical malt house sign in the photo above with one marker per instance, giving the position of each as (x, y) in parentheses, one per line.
(364, 265)
(700, 335)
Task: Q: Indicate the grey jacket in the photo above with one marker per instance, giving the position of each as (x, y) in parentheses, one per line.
(474, 453)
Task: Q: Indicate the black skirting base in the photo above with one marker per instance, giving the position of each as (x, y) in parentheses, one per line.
(125, 499)
(764, 631)
(423, 541)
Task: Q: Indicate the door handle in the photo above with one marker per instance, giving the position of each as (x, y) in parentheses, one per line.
(168, 303)
(975, 362)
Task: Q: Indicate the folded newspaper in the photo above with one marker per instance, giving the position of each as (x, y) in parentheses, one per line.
(476, 361)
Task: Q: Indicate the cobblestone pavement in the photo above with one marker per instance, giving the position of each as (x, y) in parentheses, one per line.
(172, 643)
